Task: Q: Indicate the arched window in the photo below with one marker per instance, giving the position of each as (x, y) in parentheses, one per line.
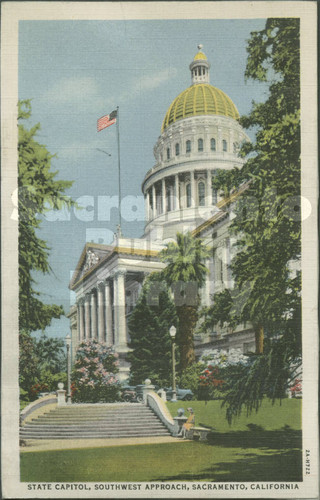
(177, 149)
(168, 153)
(200, 144)
(188, 192)
(188, 146)
(224, 145)
(235, 147)
(201, 194)
(213, 144)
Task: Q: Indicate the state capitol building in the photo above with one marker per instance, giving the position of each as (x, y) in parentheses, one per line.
(200, 134)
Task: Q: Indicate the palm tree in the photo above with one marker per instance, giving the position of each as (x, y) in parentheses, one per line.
(185, 273)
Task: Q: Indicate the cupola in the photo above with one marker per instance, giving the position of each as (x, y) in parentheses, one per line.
(200, 68)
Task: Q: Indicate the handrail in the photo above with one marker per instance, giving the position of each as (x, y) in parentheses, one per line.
(35, 405)
(161, 410)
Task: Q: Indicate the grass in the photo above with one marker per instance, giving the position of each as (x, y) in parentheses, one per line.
(263, 447)
(269, 417)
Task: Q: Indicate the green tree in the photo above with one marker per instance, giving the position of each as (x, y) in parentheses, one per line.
(185, 273)
(51, 354)
(38, 192)
(149, 326)
(29, 371)
(267, 225)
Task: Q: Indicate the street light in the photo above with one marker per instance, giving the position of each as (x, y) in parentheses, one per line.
(173, 332)
(68, 343)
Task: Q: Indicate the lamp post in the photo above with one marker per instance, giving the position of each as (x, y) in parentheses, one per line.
(173, 332)
(68, 343)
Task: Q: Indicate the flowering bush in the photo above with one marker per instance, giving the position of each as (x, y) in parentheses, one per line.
(296, 389)
(94, 373)
(37, 388)
(218, 362)
(223, 358)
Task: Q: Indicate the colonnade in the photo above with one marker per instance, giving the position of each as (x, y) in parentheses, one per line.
(173, 195)
(102, 314)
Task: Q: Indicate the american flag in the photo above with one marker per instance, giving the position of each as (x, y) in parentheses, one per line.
(107, 120)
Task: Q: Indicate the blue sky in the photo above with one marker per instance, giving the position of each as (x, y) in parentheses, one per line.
(77, 71)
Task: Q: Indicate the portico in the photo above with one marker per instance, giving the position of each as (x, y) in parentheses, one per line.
(107, 289)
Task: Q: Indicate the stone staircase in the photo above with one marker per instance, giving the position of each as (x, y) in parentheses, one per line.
(90, 421)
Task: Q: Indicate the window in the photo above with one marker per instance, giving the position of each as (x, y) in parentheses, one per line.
(213, 144)
(177, 149)
(168, 153)
(200, 144)
(224, 145)
(235, 147)
(188, 192)
(188, 146)
(201, 194)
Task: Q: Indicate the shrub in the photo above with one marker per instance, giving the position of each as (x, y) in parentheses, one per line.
(94, 374)
(190, 379)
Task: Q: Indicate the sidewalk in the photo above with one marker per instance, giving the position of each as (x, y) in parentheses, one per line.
(67, 444)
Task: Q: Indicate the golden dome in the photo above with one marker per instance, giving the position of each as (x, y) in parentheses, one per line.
(200, 55)
(200, 99)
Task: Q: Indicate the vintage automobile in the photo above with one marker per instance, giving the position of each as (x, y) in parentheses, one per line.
(131, 394)
(182, 394)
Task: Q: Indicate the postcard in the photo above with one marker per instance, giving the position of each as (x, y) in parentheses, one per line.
(159, 250)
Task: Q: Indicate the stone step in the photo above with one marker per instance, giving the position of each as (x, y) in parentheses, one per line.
(95, 421)
(114, 425)
(93, 436)
(70, 432)
(98, 414)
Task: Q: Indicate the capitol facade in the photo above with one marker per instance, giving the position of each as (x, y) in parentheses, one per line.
(200, 134)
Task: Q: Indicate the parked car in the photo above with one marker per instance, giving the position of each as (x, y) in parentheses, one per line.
(182, 394)
(132, 394)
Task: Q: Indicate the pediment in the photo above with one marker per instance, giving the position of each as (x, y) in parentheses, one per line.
(92, 255)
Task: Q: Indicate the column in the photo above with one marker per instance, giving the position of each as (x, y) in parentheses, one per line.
(148, 206)
(208, 283)
(119, 301)
(101, 328)
(154, 201)
(81, 320)
(193, 189)
(108, 305)
(94, 329)
(87, 316)
(209, 189)
(177, 195)
(164, 197)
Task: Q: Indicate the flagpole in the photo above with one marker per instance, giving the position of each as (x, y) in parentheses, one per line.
(119, 171)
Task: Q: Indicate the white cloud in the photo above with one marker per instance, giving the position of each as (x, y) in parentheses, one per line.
(80, 150)
(72, 90)
(153, 81)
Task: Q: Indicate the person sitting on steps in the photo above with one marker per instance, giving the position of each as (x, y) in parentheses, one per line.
(188, 424)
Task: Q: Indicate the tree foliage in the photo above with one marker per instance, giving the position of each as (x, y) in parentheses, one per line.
(149, 326)
(267, 225)
(38, 192)
(42, 364)
(185, 272)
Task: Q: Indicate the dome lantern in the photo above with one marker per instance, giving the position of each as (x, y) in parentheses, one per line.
(200, 68)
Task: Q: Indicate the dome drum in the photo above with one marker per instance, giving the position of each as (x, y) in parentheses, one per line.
(199, 137)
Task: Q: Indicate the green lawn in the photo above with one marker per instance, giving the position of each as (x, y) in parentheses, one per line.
(269, 417)
(263, 447)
